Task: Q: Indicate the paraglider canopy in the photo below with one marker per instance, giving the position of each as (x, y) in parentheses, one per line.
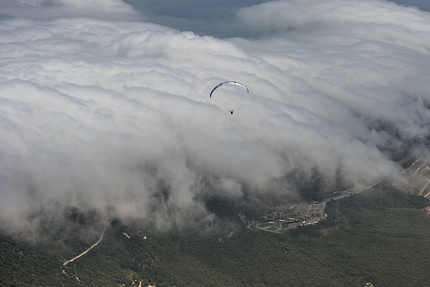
(228, 83)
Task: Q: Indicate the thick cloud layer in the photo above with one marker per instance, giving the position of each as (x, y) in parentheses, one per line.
(107, 113)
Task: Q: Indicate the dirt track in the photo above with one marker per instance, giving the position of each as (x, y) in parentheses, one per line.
(86, 251)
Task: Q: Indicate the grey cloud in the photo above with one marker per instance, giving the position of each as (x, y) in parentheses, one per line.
(114, 117)
(210, 17)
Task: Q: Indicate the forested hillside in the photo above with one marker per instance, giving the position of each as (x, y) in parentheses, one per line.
(379, 236)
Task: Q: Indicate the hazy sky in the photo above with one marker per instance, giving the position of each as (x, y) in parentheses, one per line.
(217, 17)
(421, 4)
(105, 106)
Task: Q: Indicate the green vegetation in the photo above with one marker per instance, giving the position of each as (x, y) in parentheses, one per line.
(379, 236)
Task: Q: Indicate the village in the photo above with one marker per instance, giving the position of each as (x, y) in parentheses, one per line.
(281, 218)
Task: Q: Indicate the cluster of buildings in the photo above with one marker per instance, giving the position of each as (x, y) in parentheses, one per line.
(287, 216)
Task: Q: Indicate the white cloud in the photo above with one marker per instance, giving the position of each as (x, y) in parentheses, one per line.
(115, 116)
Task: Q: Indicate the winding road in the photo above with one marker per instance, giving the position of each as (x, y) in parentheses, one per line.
(86, 251)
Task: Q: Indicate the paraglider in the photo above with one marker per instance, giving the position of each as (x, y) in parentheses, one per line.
(228, 83)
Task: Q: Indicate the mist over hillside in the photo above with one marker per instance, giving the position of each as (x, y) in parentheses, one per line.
(359, 243)
(105, 110)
